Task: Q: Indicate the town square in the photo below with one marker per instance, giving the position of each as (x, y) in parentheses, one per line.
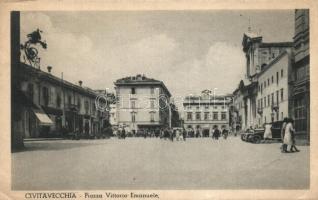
(160, 100)
(138, 163)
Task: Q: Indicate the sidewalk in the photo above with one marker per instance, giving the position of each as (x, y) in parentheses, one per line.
(41, 139)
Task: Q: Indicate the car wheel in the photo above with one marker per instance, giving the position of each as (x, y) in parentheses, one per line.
(242, 137)
(257, 139)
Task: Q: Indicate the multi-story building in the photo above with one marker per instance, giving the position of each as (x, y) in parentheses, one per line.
(258, 57)
(52, 106)
(112, 115)
(142, 103)
(301, 91)
(205, 111)
(273, 96)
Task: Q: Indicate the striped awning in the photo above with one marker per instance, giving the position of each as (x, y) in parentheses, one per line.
(44, 119)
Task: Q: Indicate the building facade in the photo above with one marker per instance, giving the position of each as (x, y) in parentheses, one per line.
(113, 115)
(206, 111)
(53, 107)
(259, 56)
(274, 89)
(301, 69)
(142, 104)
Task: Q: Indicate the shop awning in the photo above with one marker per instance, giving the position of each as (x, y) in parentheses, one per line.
(43, 118)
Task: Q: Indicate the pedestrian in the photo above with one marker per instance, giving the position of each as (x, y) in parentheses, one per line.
(123, 133)
(145, 134)
(184, 134)
(213, 132)
(161, 133)
(268, 132)
(216, 133)
(282, 134)
(197, 133)
(171, 134)
(289, 138)
(225, 133)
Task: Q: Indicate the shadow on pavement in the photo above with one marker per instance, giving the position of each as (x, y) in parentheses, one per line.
(53, 145)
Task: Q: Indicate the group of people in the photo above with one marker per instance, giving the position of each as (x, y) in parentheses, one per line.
(287, 135)
(169, 133)
(216, 133)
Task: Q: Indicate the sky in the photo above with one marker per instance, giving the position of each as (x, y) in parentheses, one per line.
(188, 50)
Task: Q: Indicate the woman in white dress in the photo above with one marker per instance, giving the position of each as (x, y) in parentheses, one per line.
(267, 132)
(289, 138)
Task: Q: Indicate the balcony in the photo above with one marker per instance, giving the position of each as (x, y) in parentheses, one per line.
(73, 107)
(275, 106)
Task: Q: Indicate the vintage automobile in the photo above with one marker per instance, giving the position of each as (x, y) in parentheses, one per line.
(257, 135)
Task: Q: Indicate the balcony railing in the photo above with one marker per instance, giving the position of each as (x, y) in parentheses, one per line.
(275, 106)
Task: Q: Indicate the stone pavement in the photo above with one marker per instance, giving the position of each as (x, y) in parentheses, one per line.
(138, 163)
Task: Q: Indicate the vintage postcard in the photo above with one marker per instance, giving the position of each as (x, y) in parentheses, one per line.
(158, 100)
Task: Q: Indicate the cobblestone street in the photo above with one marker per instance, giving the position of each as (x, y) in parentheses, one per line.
(138, 163)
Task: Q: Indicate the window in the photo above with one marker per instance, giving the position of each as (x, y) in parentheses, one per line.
(79, 103)
(282, 116)
(206, 116)
(189, 116)
(272, 79)
(268, 82)
(206, 106)
(198, 107)
(277, 97)
(264, 101)
(69, 100)
(45, 94)
(132, 104)
(94, 109)
(152, 117)
(86, 107)
(198, 116)
(152, 90)
(133, 117)
(223, 115)
(133, 90)
(152, 104)
(215, 115)
(301, 73)
(277, 77)
(300, 114)
(272, 98)
(58, 100)
(261, 103)
(264, 84)
(273, 55)
(30, 92)
(282, 94)
(281, 73)
(261, 88)
(268, 100)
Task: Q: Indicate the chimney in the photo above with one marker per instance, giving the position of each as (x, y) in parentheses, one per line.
(80, 83)
(49, 69)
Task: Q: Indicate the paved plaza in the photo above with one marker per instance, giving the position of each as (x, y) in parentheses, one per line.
(153, 163)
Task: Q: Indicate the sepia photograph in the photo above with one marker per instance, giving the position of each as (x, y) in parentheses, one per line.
(160, 100)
